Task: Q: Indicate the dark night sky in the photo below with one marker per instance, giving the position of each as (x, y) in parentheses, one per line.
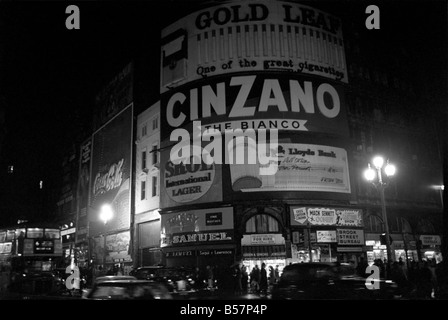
(49, 75)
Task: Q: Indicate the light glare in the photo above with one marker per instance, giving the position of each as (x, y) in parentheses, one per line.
(378, 162)
(369, 174)
(390, 169)
(106, 213)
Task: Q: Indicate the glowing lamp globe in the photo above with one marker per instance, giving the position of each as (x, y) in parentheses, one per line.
(378, 162)
(369, 174)
(106, 213)
(390, 169)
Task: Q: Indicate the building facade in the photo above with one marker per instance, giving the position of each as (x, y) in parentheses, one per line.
(269, 65)
(147, 194)
(232, 74)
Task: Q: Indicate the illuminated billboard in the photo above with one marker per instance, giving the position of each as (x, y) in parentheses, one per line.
(111, 173)
(242, 36)
(286, 102)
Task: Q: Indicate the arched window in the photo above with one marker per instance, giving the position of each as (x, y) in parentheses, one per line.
(262, 223)
(405, 226)
(425, 226)
(374, 223)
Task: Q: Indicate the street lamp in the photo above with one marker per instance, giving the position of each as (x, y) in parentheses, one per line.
(376, 172)
(106, 213)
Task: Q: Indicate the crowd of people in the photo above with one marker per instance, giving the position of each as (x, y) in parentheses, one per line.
(259, 280)
(421, 280)
(237, 279)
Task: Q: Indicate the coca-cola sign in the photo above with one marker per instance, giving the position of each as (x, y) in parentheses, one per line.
(111, 173)
(110, 180)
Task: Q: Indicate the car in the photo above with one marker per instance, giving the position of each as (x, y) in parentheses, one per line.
(127, 289)
(107, 278)
(145, 273)
(330, 281)
(176, 279)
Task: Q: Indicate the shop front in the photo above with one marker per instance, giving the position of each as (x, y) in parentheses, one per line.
(198, 237)
(200, 256)
(405, 249)
(350, 245)
(402, 245)
(68, 233)
(319, 244)
(112, 252)
(326, 234)
(430, 247)
(82, 248)
(263, 248)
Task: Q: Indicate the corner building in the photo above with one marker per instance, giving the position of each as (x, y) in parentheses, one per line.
(255, 65)
(266, 65)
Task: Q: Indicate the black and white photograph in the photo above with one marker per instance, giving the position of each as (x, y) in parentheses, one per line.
(260, 152)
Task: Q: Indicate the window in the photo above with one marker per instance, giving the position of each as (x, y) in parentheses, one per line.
(149, 234)
(262, 223)
(405, 226)
(144, 130)
(155, 123)
(425, 226)
(35, 233)
(143, 190)
(374, 223)
(154, 186)
(52, 233)
(144, 159)
(155, 157)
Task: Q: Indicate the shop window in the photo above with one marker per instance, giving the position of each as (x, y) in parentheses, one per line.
(262, 223)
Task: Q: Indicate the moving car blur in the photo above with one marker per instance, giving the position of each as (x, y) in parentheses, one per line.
(177, 280)
(331, 281)
(126, 288)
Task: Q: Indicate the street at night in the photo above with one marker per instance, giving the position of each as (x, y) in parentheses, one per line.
(256, 151)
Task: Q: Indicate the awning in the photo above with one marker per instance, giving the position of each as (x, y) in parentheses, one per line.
(268, 251)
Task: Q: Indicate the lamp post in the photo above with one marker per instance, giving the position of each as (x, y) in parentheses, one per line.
(374, 175)
(441, 188)
(106, 214)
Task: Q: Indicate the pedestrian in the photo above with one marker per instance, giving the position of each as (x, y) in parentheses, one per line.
(255, 279)
(210, 277)
(277, 274)
(244, 279)
(362, 267)
(271, 279)
(198, 279)
(424, 281)
(442, 281)
(399, 277)
(263, 279)
(432, 267)
(237, 286)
